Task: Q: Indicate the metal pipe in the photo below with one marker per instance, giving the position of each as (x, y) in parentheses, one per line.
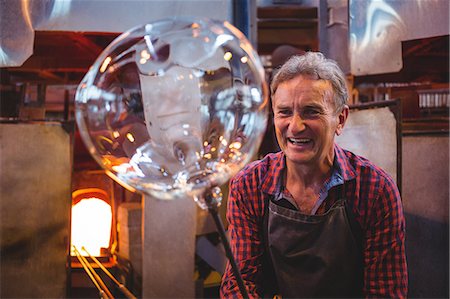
(213, 197)
(103, 287)
(124, 290)
(88, 272)
(226, 245)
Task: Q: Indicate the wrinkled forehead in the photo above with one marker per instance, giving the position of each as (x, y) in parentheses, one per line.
(304, 86)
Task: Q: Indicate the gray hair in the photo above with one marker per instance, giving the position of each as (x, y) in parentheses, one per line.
(315, 64)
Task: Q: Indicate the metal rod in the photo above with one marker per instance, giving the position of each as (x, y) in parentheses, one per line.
(94, 274)
(124, 290)
(226, 245)
(88, 272)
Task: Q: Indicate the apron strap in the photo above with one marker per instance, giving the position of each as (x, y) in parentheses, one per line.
(355, 226)
(269, 283)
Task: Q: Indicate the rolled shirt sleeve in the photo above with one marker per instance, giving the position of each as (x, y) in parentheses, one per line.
(246, 243)
(385, 269)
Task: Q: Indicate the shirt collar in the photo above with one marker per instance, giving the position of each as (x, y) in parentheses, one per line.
(270, 184)
(342, 171)
(341, 160)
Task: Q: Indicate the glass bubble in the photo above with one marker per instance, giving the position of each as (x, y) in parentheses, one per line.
(174, 107)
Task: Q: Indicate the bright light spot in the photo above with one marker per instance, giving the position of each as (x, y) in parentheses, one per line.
(148, 28)
(195, 31)
(130, 137)
(143, 157)
(105, 64)
(244, 59)
(91, 225)
(145, 54)
(222, 38)
(205, 143)
(236, 145)
(256, 95)
(227, 56)
(116, 134)
(213, 149)
(122, 168)
(207, 156)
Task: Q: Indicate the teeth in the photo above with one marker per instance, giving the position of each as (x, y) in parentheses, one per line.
(299, 140)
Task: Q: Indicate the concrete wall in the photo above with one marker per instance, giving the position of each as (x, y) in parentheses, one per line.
(35, 192)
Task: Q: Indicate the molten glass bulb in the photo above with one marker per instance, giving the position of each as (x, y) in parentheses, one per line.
(174, 107)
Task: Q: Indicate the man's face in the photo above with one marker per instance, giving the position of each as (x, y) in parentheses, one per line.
(306, 120)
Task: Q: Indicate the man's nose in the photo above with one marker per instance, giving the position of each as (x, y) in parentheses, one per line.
(297, 123)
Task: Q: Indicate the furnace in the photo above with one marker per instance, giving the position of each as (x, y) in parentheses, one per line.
(91, 221)
(95, 236)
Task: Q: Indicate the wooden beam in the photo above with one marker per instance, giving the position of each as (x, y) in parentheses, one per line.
(287, 11)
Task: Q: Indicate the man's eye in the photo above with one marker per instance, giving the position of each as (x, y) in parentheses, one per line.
(311, 113)
(284, 112)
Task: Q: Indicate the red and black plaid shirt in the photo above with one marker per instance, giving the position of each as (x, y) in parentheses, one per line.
(376, 205)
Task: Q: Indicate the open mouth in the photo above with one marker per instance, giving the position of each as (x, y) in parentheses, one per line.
(300, 141)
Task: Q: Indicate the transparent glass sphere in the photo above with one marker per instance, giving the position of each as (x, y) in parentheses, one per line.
(174, 107)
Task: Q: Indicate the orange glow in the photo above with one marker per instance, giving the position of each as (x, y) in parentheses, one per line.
(91, 225)
(110, 160)
(236, 145)
(130, 137)
(105, 64)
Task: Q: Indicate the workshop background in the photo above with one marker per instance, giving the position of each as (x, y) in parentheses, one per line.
(395, 54)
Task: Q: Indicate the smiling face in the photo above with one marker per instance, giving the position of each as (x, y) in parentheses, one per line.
(306, 121)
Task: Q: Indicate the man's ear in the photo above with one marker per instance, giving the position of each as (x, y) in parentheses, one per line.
(342, 118)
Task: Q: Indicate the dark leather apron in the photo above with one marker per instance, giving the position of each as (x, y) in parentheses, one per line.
(314, 255)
